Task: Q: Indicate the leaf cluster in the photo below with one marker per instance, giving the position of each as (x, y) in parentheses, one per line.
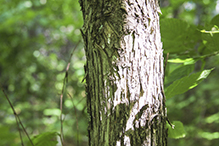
(188, 46)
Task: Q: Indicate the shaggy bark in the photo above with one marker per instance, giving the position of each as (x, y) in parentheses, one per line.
(124, 73)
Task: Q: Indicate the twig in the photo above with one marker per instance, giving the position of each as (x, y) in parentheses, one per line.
(65, 80)
(76, 118)
(19, 131)
(165, 65)
(172, 126)
(18, 121)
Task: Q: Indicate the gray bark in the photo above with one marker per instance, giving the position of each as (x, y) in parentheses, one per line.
(124, 73)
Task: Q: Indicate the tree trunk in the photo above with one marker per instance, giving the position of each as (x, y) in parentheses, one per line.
(124, 73)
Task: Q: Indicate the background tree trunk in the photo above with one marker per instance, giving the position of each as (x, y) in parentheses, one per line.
(124, 73)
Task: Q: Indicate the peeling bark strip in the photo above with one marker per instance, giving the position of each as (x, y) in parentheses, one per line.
(124, 73)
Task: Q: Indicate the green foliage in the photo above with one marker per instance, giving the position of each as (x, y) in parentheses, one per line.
(52, 112)
(177, 130)
(7, 136)
(186, 83)
(37, 38)
(211, 41)
(190, 48)
(45, 139)
(179, 72)
(209, 135)
(178, 36)
(213, 118)
(190, 35)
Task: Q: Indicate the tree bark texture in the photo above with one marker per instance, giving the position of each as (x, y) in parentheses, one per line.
(124, 73)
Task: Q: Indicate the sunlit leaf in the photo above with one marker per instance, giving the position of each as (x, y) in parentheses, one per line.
(178, 60)
(209, 135)
(213, 118)
(211, 42)
(184, 84)
(54, 112)
(210, 32)
(45, 139)
(177, 130)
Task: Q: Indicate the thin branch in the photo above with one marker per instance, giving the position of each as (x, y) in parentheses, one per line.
(165, 65)
(65, 80)
(18, 121)
(75, 117)
(19, 131)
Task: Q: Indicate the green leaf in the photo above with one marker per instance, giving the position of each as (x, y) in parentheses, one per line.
(213, 118)
(178, 36)
(208, 135)
(176, 131)
(215, 20)
(210, 36)
(45, 139)
(210, 32)
(184, 84)
(179, 72)
(175, 26)
(185, 61)
(211, 42)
